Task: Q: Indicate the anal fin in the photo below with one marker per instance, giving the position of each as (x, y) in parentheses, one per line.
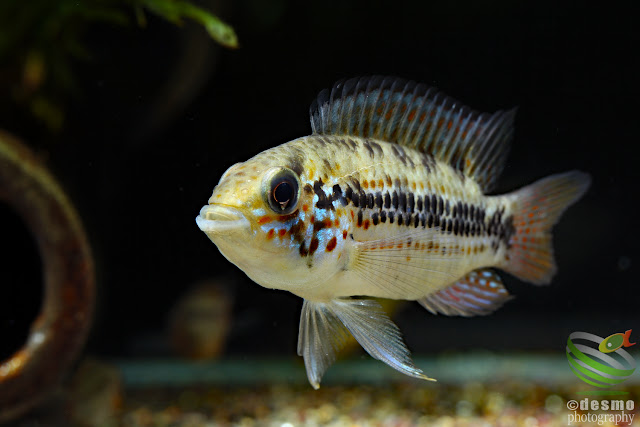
(324, 327)
(478, 293)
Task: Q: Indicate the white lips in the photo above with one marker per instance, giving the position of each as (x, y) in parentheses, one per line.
(220, 219)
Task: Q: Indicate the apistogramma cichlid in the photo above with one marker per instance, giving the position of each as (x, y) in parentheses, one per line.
(387, 198)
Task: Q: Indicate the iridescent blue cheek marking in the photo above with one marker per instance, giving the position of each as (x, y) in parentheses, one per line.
(324, 236)
(322, 214)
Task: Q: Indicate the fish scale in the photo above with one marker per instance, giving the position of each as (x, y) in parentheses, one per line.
(387, 198)
(383, 198)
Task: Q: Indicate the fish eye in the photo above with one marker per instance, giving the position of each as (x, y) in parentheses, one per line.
(281, 190)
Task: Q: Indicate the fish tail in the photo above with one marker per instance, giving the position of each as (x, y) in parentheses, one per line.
(538, 207)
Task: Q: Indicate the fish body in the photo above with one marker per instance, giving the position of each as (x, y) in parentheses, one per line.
(351, 193)
(387, 198)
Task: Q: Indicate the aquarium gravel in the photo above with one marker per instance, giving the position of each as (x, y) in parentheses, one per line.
(397, 405)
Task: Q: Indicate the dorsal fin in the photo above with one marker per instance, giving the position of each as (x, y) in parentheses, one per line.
(417, 116)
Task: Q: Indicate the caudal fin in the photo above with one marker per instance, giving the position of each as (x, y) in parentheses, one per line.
(539, 207)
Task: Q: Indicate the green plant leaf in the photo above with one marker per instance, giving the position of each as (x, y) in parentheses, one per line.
(175, 10)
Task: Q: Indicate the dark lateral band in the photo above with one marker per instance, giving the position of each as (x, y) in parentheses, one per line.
(425, 210)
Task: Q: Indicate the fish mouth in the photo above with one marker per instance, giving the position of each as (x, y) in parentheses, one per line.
(221, 219)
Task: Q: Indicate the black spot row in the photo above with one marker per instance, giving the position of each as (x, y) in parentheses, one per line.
(404, 208)
(324, 201)
(454, 226)
(407, 202)
(502, 228)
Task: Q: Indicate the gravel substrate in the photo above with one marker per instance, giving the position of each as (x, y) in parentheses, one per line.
(398, 405)
(472, 390)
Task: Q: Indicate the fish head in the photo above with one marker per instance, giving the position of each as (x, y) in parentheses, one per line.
(260, 217)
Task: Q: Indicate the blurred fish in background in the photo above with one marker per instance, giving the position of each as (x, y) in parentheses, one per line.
(43, 49)
(199, 322)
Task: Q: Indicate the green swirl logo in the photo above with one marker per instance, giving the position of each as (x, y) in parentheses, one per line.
(602, 362)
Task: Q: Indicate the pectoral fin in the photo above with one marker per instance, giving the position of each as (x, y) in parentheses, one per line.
(409, 265)
(324, 327)
(478, 293)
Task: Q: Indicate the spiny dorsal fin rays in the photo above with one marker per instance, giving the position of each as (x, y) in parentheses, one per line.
(491, 155)
(324, 327)
(417, 116)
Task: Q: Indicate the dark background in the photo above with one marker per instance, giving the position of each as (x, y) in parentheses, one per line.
(161, 112)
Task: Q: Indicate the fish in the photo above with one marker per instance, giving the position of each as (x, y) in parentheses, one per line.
(389, 197)
(199, 322)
